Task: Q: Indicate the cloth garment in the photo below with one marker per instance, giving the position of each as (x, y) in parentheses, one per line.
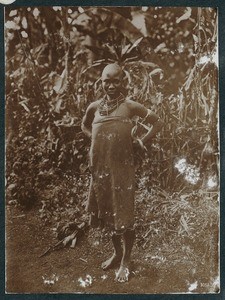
(111, 195)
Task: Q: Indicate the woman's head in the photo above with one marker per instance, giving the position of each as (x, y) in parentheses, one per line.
(112, 80)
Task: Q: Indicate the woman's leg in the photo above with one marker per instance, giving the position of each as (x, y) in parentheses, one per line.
(128, 242)
(117, 255)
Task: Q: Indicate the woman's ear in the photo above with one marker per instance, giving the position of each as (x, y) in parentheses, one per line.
(124, 88)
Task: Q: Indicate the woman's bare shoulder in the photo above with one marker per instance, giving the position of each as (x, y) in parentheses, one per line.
(93, 106)
(130, 103)
(135, 108)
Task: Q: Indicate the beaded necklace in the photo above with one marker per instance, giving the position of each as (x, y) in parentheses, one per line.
(107, 106)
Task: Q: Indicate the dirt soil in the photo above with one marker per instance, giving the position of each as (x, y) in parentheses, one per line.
(62, 271)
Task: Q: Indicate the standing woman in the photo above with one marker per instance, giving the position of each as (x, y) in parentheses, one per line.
(108, 122)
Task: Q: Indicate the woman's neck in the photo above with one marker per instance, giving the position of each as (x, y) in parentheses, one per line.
(113, 99)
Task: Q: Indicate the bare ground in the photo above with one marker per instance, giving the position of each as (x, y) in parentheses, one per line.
(61, 271)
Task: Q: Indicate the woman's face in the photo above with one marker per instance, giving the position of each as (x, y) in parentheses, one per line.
(112, 81)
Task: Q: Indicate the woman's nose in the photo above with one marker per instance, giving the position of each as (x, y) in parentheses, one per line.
(111, 85)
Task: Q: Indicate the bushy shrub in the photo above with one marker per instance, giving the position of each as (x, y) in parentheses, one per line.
(54, 60)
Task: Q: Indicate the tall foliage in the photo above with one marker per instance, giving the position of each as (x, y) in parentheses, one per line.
(54, 59)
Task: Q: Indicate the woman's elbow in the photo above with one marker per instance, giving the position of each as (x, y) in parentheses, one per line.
(86, 130)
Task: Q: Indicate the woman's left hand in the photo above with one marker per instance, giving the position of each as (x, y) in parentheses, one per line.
(138, 144)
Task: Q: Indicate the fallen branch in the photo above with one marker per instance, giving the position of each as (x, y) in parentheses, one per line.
(70, 238)
(52, 248)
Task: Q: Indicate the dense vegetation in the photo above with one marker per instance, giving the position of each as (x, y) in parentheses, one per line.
(54, 60)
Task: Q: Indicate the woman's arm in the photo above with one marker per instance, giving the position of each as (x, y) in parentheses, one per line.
(86, 125)
(156, 123)
(149, 117)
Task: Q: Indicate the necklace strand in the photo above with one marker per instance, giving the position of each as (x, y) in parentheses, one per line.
(108, 106)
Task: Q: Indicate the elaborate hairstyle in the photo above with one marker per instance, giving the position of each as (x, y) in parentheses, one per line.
(114, 68)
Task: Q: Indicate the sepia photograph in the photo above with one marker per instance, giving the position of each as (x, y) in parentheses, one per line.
(112, 161)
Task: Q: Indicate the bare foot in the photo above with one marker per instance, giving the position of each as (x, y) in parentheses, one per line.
(122, 274)
(111, 262)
